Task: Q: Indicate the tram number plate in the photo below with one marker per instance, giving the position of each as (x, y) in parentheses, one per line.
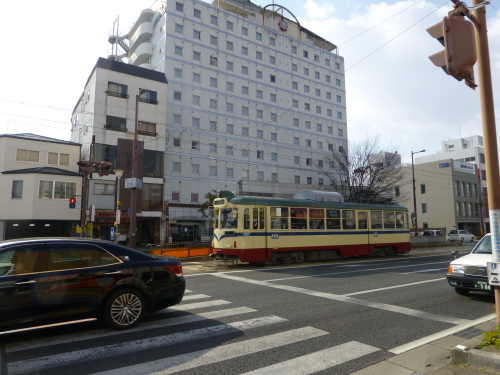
(482, 285)
(275, 236)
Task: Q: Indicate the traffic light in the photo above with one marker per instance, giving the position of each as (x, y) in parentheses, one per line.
(457, 59)
(105, 168)
(72, 203)
(85, 165)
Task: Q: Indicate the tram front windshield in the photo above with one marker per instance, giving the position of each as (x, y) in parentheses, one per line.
(229, 218)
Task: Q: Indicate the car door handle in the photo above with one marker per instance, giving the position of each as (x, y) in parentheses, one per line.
(112, 272)
(25, 282)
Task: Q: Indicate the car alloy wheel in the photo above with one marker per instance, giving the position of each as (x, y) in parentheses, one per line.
(124, 309)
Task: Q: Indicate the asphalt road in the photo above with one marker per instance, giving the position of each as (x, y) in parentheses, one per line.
(333, 318)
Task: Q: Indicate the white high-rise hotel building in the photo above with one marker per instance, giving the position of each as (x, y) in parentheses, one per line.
(255, 102)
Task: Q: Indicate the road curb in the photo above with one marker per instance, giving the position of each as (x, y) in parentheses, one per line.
(465, 354)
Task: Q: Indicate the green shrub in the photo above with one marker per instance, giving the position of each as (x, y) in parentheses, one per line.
(491, 338)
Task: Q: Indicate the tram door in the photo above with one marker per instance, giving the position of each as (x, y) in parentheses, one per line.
(255, 226)
(364, 245)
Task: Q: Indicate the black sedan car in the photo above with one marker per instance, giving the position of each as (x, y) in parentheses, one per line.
(68, 278)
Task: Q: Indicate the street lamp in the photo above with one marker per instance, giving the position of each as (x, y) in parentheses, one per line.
(414, 197)
(119, 174)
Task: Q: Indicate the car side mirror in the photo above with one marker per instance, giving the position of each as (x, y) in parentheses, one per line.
(455, 253)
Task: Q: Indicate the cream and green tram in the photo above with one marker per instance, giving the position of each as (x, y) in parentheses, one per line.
(260, 229)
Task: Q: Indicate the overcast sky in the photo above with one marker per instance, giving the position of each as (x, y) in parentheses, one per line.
(49, 48)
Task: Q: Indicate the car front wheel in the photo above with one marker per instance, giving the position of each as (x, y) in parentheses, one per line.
(124, 309)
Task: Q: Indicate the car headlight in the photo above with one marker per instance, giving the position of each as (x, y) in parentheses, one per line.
(456, 268)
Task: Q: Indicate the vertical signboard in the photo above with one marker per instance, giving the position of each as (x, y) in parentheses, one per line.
(495, 234)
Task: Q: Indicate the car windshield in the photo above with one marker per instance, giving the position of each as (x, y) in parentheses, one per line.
(483, 247)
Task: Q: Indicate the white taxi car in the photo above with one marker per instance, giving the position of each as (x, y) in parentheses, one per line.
(469, 273)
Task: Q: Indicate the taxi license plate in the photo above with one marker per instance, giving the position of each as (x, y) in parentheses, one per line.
(482, 285)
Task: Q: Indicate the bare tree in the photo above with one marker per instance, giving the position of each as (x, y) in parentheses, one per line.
(364, 172)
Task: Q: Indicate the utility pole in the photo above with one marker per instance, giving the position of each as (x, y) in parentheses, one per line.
(489, 133)
(414, 190)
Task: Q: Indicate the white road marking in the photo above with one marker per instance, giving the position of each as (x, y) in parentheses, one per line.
(68, 358)
(317, 361)
(364, 265)
(427, 270)
(194, 296)
(167, 322)
(393, 287)
(221, 353)
(337, 297)
(188, 291)
(440, 335)
(353, 271)
(200, 305)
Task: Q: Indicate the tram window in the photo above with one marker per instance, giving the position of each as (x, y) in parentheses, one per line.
(246, 218)
(262, 219)
(348, 219)
(316, 218)
(362, 220)
(216, 219)
(332, 219)
(376, 219)
(229, 218)
(298, 218)
(400, 217)
(388, 220)
(279, 217)
(255, 218)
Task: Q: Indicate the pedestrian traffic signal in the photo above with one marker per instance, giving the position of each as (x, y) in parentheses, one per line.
(72, 203)
(457, 59)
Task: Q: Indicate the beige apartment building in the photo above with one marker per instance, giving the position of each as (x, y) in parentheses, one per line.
(447, 195)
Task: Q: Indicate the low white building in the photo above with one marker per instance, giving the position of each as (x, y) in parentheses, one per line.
(38, 176)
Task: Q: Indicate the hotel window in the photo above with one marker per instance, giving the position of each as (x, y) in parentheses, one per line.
(229, 45)
(229, 107)
(245, 152)
(213, 82)
(260, 134)
(258, 36)
(341, 132)
(176, 166)
(260, 176)
(229, 150)
(318, 92)
(316, 58)
(260, 94)
(177, 142)
(272, 41)
(258, 55)
(178, 28)
(244, 174)
(213, 125)
(308, 143)
(328, 95)
(196, 56)
(318, 109)
(177, 95)
(296, 160)
(319, 127)
(244, 31)
(179, 7)
(213, 40)
(229, 172)
(213, 147)
(213, 20)
(306, 54)
(274, 156)
(274, 117)
(213, 103)
(296, 122)
(296, 141)
(229, 25)
(274, 177)
(197, 13)
(244, 90)
(213, 171)
(320, 145)
(297, 179)
(330, 130)
(337, 82)
(260, 154)
(295, 85)
(308, 124)
(306, 71)
(258, 74)
(195, 145)
(194, 197)
(115, 89)
(294, 67)
(244, 70)
(177, 73)
(245, 111)
(229, 86)
(320, 163)
(327, 62)
(244, 51)
(339, 99)
(260, 113)
(272, 78)
(337, 65)
(339, 115)
(328, 79)
(309, 180)
(272, 97)
(306, 88)
(294, 49)
(195, 168)
(424, 207)
(245, 131)
(229, 128)
(295, 103)
(229, 66)
(308, 161)
(146, 128)
(272, 60)
(196, 77)
(274, 136)
(307, 106)
(114, 123)
(330, 147)
(320, 181)
(316, 75)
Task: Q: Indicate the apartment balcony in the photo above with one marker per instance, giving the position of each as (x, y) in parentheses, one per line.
(142, 34)
(145, 16)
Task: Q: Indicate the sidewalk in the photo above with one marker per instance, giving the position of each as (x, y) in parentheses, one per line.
(442, 357)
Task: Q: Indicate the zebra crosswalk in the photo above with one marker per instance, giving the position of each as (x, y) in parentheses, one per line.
(226, 333)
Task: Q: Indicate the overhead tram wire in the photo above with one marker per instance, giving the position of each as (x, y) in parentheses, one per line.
(401, 33)
(378, 24)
